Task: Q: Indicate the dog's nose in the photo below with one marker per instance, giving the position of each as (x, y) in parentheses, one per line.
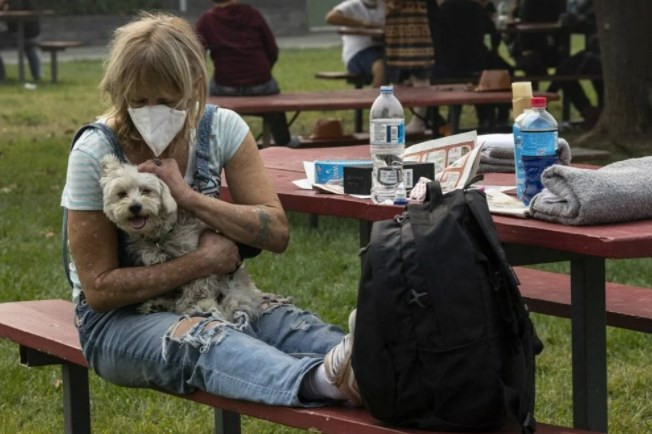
(135, 208)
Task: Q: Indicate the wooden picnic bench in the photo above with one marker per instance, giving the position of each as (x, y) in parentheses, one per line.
(46, 335)
(53, 47)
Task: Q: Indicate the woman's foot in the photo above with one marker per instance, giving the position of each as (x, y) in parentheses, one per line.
(339, 371)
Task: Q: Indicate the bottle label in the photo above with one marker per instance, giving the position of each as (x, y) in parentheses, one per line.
(538, 143)
(389, 176)
(518, 163)
(387, 132)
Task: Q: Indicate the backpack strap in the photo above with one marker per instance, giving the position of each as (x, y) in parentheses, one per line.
(113, 141)
(514, 311)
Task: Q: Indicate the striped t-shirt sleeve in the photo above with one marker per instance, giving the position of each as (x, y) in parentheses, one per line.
(229, 131)
(82, 191)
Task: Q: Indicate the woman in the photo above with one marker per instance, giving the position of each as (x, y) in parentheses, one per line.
(155, 83)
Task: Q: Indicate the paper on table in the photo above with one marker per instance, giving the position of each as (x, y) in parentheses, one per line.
(501, 203)
(308, 183)
(456, 158)
(443, 151)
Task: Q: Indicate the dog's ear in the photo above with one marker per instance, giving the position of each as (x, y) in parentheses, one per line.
(168, 204)
(108, 164)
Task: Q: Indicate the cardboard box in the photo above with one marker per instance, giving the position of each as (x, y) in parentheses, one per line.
(357, 179)
(332, 171)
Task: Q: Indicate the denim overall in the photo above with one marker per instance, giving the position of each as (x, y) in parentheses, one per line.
(263, 361)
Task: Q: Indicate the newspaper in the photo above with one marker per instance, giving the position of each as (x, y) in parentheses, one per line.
(456, 160)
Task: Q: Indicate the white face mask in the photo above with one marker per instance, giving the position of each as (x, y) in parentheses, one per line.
(158, 125)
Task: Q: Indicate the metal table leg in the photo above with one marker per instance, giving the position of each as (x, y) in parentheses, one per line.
(20, 41)
(227, 422)
(588, 317)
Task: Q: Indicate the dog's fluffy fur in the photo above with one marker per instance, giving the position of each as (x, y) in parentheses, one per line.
(141, 205)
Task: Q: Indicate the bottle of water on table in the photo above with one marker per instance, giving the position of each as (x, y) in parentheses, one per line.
(387, 139)
(539, 134)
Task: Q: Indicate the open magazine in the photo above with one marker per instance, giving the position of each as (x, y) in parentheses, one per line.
(456, 160)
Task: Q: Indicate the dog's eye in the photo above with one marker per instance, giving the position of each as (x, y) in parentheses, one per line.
(122, 195)
(145, 191)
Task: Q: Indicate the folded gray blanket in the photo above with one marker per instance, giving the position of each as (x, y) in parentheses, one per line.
(497, 153)
(617, 192)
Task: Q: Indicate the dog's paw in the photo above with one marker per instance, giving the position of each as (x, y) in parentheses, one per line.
(239, 303)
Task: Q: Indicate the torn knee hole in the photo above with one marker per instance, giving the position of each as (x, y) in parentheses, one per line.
(187, 324)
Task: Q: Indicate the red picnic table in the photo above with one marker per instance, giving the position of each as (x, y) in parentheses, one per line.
(526, 241)
(358, 99)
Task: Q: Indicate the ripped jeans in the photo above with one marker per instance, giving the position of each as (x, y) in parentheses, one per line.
(264, 361)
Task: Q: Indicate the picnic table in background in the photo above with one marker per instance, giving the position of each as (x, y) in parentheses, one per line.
(20, 17)
(358, 99)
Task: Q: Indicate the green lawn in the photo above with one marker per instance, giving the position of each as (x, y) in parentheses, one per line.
(320, 270)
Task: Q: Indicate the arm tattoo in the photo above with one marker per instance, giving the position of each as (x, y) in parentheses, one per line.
(264, 234)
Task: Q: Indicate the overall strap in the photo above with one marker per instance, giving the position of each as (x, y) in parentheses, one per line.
(206, 181)
(108, 133)
(115, 147)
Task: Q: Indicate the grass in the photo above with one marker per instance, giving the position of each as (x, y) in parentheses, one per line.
(320, 270)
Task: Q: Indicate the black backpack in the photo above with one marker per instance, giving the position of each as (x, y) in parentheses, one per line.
(442, 337)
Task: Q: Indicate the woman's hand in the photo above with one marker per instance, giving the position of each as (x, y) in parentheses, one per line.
(168, 170)
(220, 253)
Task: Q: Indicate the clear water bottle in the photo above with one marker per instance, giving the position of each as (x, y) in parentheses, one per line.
(387, 139)
(518, 148)
(539, 133)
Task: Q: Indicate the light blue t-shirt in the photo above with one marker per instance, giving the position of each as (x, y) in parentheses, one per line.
(83, 192)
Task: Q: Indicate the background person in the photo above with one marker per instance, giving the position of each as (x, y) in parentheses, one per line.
(459, 28)
(156, 62)
(32, 30)
(409, 51)
(586, 61)
(535, 52)
(244, 51)
(362, 55)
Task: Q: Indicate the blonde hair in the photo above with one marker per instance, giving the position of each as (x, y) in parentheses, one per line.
(155, 48)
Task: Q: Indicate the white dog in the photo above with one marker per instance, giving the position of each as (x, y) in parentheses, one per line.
(141, 205)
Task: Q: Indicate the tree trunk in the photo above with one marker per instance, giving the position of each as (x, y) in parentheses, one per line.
(626, 43)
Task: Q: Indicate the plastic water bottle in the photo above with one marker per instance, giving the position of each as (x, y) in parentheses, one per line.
(387, 139)
(539, 133)
(521, 104)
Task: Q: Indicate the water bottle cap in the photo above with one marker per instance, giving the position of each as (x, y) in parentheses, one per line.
(386, 89)
(539, 101)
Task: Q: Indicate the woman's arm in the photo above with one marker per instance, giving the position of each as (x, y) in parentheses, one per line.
(93, 245)
(255, 218)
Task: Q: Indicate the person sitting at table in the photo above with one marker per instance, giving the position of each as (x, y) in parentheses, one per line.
(459, 28)
(586, 61)
(283, 356)
(409, 51)
(362, 55)
(244, 51)
(534, 52)
(32, 30)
